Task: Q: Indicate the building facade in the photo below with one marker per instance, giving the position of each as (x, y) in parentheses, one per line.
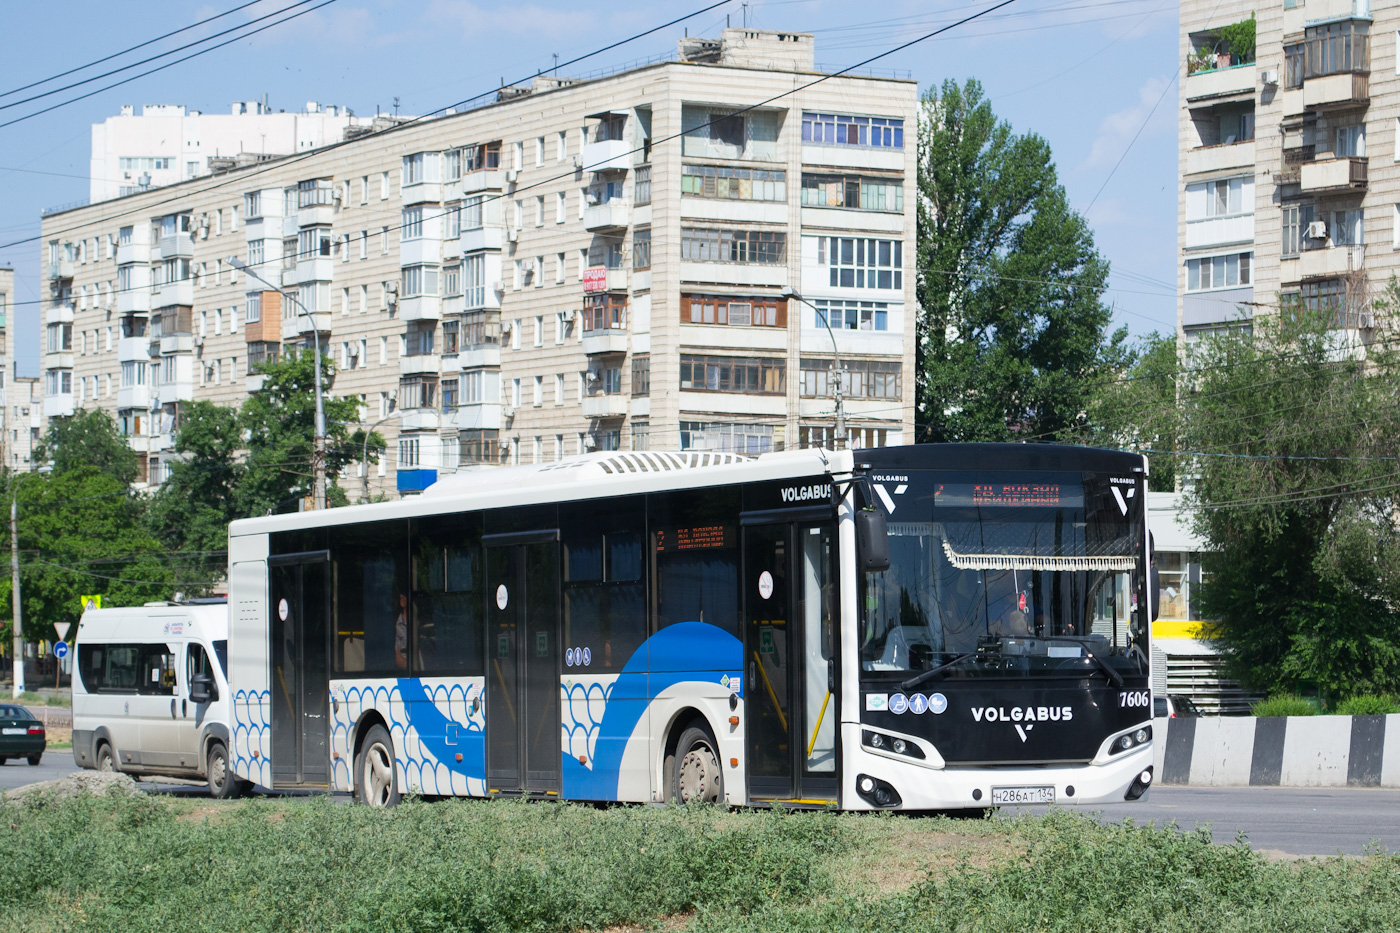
(166, 143)
(1290, 171)
(644, 260)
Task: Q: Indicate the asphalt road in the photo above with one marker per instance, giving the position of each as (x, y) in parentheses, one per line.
(1285, 820)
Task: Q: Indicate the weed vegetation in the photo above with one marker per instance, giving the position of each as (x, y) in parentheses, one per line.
(161, 864)
(1382, 705)
(1285, 705)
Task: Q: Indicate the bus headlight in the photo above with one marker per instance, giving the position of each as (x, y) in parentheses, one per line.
(1130, 740)
(885, 743)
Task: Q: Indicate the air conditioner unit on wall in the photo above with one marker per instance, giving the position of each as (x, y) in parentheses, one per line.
(1317, 230)
(1270, 77)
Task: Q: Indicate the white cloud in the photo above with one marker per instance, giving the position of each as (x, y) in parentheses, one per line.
(1118, 129)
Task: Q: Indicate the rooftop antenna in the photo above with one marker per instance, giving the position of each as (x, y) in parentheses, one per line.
(556, 64)
(396, 106)
(746, 15)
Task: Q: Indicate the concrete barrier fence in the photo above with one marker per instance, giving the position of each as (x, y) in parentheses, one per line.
(1294, 751)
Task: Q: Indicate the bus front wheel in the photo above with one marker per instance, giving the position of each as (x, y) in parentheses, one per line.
(222, 784)
(106, 761)
(697, 775)
(376, 783)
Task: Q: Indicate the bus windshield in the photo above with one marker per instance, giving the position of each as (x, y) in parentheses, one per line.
(1010, 575)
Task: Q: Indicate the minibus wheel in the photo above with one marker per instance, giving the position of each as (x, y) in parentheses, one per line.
(698, 775)
(222, 784)
(106, 761)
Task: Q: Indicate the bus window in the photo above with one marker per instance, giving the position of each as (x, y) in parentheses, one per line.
(109, 668)
(695, 549)
(604, 593)
(446, 625)
(371, 598)
(157, 675)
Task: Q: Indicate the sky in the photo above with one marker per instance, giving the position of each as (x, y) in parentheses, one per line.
(1095, 78)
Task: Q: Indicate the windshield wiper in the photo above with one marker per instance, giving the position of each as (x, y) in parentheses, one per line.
(1108, 669)
(926, 676)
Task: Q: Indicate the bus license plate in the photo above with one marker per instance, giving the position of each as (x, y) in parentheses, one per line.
(1015, 795)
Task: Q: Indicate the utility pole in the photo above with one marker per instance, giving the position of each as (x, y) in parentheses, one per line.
(318, 492)
(790, 292)
(14, 591)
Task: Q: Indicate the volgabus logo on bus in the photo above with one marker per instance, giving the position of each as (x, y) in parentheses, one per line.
(1017, 715)
(816, 492)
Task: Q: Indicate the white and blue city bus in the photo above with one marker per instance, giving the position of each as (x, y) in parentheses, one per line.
(922, 627)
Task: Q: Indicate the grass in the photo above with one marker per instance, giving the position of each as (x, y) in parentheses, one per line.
(30, 698)
(1381, 705)
(157, 864)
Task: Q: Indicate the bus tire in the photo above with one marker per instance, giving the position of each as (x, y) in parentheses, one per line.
(106, 761)
(698, 775)
(222, 784)
(376, 780)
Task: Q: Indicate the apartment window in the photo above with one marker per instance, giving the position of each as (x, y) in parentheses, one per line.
(413, 168)
(519, 152)
(1296, 218)
(450, 396)
(474, 281)
(863, 379)
(383, 186)
(605, 311)
(478, 446)
(1351, 141)
(641, 374)
(313, 241)
(1294, 61)
(861, 262)
(539, 150)
(452, 280)
(641, 248)
(840, 130)
(518, 214)
(561, 208)
(1210, 272)
(538, 398)
(408, 449)
(60, 338)
(481, 157)
(712, 133)
(420, 280)
(747, 375)
(539, 210)
(1346, 228)
(255, 252)
(558, 268)
(851, 315)
(748, 311)
(471, 213)
(58, 382)
(417, 392)
(559, 392)
(605, 380)
(252, 205)
(641, 185)
(853, 191)
(539, 331)
(700, 244)
(364, 244)
(318, 192)
(736, 184)
(124, 236)
(384, 241)
(172, 270)
(412, 223)
(451, 337)
(418, 339)
(1336, 48)
(582, 202)
(728, 437)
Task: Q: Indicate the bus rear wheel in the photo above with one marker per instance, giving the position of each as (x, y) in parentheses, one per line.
(698, 775)
(105, 760)
(376, 783)
(222, 784)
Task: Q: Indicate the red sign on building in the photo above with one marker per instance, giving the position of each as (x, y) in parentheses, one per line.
(595, 279)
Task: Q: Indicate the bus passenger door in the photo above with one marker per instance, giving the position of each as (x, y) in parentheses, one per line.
(789, 653)
(299, 601)
(523, 746)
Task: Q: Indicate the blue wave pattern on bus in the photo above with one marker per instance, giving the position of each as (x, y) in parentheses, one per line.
(429, 724)
(250, 734)
(680, 653)
(585, 704)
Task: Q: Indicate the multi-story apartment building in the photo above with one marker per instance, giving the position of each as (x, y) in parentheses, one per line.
(23, 420)
(642, 260)
(1289, 188)
(166, 143)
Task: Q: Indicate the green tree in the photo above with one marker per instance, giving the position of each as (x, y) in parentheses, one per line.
(1136, 409)
(1013, 334)
(88, 437)
(81, 531)
(1292, 434)
(278, 423)
(190, 512)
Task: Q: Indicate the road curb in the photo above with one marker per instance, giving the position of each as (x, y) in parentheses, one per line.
(1278, 751)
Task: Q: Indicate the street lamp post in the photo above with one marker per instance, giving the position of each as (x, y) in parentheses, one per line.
(18, 616)
(790, 292)
(319, 456)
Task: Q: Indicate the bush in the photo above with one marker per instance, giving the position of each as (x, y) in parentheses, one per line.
(1382, 705)
(1285, 705)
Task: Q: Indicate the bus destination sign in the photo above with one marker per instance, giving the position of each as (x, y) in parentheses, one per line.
(999, 495)
(697, 538)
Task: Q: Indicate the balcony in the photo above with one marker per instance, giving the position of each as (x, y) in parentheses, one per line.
(420, 419)
(480, 238)
(133, 349)
(63, 269)
(420, 364)
(414, 480)
(60, 359)
(1218, 231)
(422, 192)
(1220, 158)
(1334, 176)
(1331, 261)
(58, 406)
(1336, 92)
(607, 340)
(135, 299)
(1211, 85)
(483, 357)
(476, 416)
(605, 406)
(316, 215)
(176, 343)
(59, 314)
(133, 252)
(315, 269)
(608, 217)
(605, 155)
(490, 179)
(421, 308)
(181, 245)
(173, 293)
(134, 397)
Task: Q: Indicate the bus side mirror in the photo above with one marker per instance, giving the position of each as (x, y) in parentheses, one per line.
(872, 541)
(1154, 593)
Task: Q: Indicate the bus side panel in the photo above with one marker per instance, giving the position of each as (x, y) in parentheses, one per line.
(437, 726)
(248, 666)
(623, 719)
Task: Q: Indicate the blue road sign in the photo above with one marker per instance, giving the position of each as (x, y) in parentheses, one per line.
(60, 649)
